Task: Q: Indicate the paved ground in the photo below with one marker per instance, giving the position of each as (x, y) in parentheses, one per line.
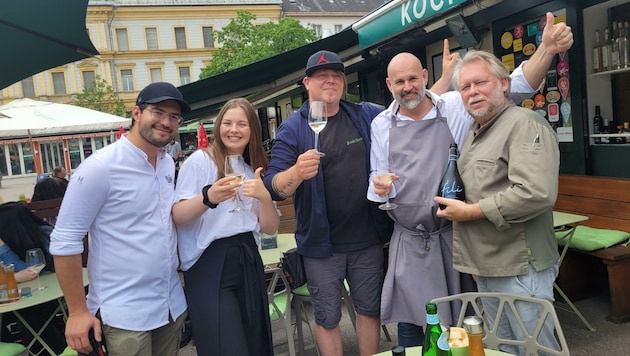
(609, 339)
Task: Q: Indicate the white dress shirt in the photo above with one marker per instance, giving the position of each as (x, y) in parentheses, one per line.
(124, 203)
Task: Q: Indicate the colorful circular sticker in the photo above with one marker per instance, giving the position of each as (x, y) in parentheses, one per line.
(529, 49)
(553, 96)
(539, 100)
(563, 68)
(528, 104)
(519, 31)
(506, 40)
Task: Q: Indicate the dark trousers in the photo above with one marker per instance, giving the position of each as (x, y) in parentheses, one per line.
(227, 299)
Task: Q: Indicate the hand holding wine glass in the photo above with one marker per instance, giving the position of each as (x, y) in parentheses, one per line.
(36, 262)
(317, 118)
(235, 167)
(384, 176)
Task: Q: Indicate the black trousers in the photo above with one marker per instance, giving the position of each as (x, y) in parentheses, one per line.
(227, 299)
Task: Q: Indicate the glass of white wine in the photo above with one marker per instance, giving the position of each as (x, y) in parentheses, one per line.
(317, 118)
(384, 175)
(36, 262)
(235, 167)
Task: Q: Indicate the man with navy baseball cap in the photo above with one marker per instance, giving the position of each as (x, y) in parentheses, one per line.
(121, 197)
(337, 227)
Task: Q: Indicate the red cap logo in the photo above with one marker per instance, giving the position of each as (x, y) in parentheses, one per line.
(322, 59)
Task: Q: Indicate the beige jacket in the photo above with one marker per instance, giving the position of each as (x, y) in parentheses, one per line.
(510, 166)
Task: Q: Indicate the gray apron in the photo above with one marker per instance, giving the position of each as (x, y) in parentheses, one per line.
(420, 265)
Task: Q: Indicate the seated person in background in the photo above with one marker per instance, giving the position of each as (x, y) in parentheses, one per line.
(60, 172)
(21, 230)
(52, 188)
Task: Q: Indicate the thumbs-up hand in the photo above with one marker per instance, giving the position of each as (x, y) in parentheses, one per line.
(556, 37)
(255, 188)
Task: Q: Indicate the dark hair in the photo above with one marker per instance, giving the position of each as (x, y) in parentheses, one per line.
(22, 230)
(254, 153)
(49, 188)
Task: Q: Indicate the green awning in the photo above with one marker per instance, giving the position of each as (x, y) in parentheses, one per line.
(192, 127)
(396, 17)
(41, 34)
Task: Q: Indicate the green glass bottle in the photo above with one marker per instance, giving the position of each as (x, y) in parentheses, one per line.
(432, 333)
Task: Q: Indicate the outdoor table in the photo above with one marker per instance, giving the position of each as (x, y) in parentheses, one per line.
(52, 292)
(417, 351)
(271, 256)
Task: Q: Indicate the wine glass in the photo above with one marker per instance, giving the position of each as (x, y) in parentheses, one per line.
(235, 167)
(384, 175)
(36, 262)
(317, 117)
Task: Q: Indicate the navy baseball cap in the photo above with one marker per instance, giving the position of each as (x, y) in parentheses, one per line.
(159, 92)
(323, 60)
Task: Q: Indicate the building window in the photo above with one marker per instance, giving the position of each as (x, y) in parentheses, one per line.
(28, 87)
(59, 83)
(338, 28)
(184, 75)
(152, 40)
(88, 78)
(318, 30)
(156, 75)
(121, 39)
(208, 41)
(180, 37)
(127, 79)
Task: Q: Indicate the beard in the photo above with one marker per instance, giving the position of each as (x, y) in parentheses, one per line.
(410, 104)
(494, 103)
(146, 132)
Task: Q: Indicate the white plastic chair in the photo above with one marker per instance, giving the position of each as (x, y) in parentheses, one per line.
(472, 302)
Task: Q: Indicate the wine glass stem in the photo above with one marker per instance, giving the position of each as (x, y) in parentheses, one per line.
(39, 283)
(316, 141)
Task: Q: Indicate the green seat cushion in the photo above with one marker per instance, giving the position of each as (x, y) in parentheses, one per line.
(68, 352)
(11, 349)
(590, 239)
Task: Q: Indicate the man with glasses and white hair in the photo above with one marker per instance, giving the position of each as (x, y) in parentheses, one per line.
(122, 196)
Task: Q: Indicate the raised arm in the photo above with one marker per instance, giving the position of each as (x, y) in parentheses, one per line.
(557, 38)
(448, 64)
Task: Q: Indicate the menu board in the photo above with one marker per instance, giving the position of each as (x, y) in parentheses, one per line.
(553, 99)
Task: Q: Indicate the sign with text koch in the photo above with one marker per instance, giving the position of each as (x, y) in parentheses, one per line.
(397, 16)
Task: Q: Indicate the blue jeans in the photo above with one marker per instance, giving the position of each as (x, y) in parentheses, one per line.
(538, 284)
(410, 335)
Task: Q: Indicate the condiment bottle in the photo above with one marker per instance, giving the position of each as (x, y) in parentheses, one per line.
(398, 351)
(12, 288)
(474, 327)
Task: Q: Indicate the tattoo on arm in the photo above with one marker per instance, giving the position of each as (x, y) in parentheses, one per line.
(282, 190)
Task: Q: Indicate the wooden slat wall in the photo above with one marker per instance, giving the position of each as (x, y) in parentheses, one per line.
(606, 201)
(287, 220)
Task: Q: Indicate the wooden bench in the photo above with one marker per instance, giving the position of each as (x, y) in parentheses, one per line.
(287, 219)
(606, 201)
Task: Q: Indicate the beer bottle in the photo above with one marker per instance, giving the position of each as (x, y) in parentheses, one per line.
(432, 333)
(451, 185)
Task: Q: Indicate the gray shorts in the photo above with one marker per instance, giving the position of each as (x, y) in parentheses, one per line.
(363, 269)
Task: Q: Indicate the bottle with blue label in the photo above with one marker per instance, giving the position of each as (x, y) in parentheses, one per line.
(435, 343)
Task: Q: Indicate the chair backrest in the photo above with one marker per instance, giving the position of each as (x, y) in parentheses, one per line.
(471, 302)
(45, 208)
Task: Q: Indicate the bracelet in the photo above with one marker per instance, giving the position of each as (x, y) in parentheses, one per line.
(83, 312)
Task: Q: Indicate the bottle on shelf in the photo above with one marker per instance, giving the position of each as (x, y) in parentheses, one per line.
(474, 328)
(597, 124)
(614, 48)
(620, 139)
(606, 55)
(605, 130)
(624, 50)
(432, 333)
(597, 53)
(626, 130)
(452, 185)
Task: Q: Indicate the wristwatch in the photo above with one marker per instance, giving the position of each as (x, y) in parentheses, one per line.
(206, 201)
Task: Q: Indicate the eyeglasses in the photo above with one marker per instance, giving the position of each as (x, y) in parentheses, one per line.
(159, 115)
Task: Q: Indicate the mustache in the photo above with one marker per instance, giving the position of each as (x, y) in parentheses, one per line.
(407, 92)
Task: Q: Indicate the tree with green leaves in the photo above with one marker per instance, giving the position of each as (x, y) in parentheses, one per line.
(243, 42)
(100, 96)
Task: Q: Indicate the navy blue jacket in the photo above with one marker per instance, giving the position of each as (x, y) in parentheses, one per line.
(295, 137)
